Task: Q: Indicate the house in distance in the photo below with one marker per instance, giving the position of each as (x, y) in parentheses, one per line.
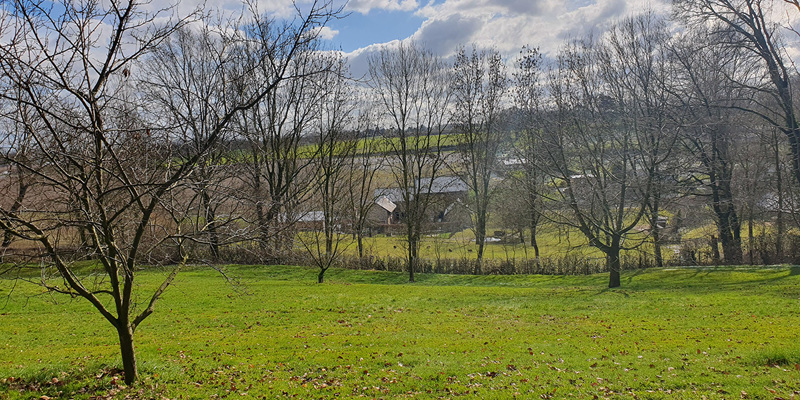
(446, 211)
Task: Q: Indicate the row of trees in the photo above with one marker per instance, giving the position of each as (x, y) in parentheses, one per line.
(613, 132)
(132, 138)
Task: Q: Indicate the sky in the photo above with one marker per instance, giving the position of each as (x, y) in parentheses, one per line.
(444, 25)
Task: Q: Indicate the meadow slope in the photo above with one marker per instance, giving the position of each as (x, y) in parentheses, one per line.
(673, 333)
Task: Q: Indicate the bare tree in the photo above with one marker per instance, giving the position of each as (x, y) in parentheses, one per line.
(107, 173)
(602, 157)
(709, 120)
(528, 99)
(182, 81)
(366, 161)
(479, 85)
(638, 72)
(334, 151)
(280, 170)
(754, 183)
(746, 25)
(412, 87)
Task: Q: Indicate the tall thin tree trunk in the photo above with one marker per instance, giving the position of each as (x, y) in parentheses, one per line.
(535, 244)
(534, 225)
(750, 241)
(412, 260)
(482, 201)
(480, 238)
(779, 228)
(794, 144)
(413, 254)
(656, 231)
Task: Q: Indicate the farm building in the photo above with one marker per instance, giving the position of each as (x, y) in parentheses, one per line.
(446, 211)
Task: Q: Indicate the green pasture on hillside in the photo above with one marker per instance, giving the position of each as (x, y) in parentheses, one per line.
(690, 333)
(360, 147)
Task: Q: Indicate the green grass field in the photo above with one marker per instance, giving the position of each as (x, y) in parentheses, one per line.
(553, 243)
(693, 333)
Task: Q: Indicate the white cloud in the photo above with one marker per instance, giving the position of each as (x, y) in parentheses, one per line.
(444, 35)
(506, 25)
(359, 59)
(277, 8)
(365, 6)
(326, 33)
(510, 24)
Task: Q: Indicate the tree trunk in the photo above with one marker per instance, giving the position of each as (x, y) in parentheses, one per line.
(321, 275)
(779, 229)
(360, 241)
(794, 143)
(480, 238)
(534, 225)
(750, 242)
(412, 256)
(715, 250)
(535, 245)
(656, 232)
(731, 240)
(214, 237)
(657, 249)
(613, 263)
(7, 237)
(128, 353)
(480, 233)
(260, 218)
(211, 223)
(412, 260)
(728, 227)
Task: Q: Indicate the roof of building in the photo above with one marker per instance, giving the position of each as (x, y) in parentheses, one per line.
(387, 204)
(311, 216)
(445, 184)
(441, 184)
(392, 194)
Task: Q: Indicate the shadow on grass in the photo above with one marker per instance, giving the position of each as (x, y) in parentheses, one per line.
(713, 279)
(372, 277)
(774, 357)
(691, 279)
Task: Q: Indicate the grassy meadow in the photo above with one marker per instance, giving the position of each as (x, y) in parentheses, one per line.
(691, 333)
(554, 243)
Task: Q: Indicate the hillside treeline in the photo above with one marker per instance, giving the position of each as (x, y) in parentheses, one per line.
(245, 140)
